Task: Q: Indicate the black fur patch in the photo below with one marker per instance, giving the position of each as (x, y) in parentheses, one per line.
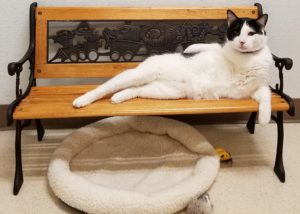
(234, 29)
(255, 26)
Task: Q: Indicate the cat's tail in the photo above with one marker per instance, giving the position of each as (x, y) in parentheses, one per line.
(129, 78)
(197, 48)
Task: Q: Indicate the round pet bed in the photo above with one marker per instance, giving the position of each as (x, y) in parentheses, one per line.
(133, 165)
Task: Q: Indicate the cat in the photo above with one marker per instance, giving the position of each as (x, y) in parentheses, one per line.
(237, 69)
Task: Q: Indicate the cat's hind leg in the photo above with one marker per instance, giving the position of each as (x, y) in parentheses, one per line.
(126, 79)
(154, 90)
(125, 94)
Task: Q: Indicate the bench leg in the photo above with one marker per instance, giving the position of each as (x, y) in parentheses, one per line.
(251, 122)
(279, 168)
(18, 155)
(40, 129)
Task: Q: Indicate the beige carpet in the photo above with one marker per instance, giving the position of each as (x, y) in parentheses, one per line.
(248, 186)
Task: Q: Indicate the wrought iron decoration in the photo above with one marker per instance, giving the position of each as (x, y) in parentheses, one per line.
(126, 41)
(82, 50)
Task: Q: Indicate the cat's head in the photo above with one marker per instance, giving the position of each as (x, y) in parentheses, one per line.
(246, 35)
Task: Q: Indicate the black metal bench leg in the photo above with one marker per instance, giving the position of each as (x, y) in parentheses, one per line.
(40, 129)
(251, 122)
(18, 155)
(279, 168)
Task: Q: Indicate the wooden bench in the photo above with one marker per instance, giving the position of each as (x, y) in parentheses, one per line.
(97, 42)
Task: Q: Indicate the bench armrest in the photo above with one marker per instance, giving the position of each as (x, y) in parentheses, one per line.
(286, 63)
(281, 63)
(15, 68)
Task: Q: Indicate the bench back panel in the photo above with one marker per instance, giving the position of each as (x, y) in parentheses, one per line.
(120, 36)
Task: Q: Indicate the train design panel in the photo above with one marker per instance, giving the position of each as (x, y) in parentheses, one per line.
(88, 42)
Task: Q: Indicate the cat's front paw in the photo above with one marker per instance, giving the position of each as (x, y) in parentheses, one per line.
(264, 114)
(264, 117)
(81, 101)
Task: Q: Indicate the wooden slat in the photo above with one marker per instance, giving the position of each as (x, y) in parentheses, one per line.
(84, 70)
(61, 89)
(40, 44)
(56, 102)
(73, 89)
(140, 13)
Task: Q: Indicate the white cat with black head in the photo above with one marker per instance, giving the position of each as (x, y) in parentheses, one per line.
(238, 69)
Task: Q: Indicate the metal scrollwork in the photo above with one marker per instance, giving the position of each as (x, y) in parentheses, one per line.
(125, 42)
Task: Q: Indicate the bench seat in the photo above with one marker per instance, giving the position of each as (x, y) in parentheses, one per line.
(56, 102)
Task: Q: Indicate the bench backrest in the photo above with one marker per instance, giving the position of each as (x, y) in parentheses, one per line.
(77, 42)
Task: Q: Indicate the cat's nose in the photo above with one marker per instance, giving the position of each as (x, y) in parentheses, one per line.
(242, 43)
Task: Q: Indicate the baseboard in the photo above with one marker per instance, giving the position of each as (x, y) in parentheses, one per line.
(3, 112)
(229, 118)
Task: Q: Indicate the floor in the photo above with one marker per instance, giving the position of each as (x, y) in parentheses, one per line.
(247, 186)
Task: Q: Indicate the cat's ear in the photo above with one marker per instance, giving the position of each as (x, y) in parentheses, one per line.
(231, 17)
(262, 20)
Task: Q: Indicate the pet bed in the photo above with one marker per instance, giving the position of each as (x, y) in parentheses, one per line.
(133, 165)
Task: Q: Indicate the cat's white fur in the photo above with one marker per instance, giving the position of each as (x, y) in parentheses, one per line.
(214, 72)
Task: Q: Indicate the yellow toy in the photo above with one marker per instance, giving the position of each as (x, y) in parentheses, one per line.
(224, 155)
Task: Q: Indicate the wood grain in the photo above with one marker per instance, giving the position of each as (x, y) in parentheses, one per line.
(141, 13)
(40, 45)
(81, 70)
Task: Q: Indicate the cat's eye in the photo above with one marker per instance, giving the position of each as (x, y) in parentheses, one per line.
(251, 33)
(237, 32)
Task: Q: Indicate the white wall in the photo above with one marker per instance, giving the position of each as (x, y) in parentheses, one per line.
(283, 31)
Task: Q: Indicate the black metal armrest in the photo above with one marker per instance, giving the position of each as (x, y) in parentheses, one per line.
(286, 62)
(282, 63)
(17, 67)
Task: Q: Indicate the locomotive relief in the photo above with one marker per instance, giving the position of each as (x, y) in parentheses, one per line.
(125, 42)
(84, 49)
